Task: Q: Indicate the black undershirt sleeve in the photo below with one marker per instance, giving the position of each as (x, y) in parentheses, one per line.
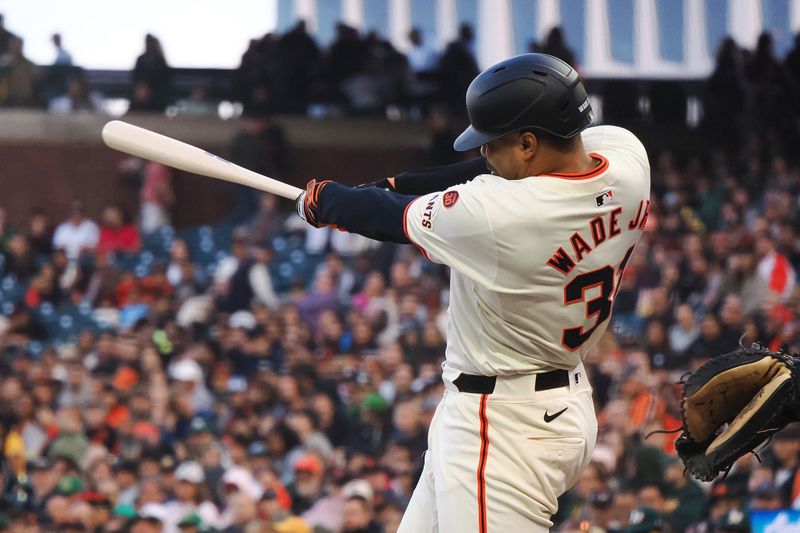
(428, 180)
(372, 212)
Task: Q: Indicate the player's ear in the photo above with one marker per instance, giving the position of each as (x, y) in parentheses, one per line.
(529, 143)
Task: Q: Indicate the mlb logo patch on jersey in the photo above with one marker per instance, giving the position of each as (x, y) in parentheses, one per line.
(604, 198)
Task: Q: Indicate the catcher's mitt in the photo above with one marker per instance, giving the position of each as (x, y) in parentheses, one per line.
(733, 404)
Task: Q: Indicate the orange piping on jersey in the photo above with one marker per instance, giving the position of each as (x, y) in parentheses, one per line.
(482, 522)
(405, 229)
(599, 169)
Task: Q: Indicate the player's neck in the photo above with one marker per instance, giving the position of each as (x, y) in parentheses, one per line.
(575, 160)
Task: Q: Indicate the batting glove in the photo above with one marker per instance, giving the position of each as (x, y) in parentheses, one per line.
(307, 203)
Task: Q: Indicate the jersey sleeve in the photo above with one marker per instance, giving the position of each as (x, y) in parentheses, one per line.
(428, 180)
(452, 227)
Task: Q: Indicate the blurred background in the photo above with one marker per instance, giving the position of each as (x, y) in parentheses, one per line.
(181, 354)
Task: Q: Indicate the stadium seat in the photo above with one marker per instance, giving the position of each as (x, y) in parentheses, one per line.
(279, 244)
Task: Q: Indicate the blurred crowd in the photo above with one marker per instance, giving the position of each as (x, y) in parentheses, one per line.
(236, 394)
(753, 91)
(363, 73)
(288, 73)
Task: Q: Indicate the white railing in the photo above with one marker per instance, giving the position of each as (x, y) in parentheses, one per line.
(495, 19)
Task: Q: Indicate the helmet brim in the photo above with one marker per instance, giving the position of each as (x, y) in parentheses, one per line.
(472, 138)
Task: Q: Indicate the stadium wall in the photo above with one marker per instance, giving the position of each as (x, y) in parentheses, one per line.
(46, 161)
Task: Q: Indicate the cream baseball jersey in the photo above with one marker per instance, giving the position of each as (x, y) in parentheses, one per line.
(536, 262)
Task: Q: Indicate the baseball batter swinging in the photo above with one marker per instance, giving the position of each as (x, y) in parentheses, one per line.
(537, 233)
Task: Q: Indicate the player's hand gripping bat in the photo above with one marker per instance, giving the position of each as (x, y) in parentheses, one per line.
(153, 146)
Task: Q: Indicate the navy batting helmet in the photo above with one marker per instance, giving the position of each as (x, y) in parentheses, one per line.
(529, 91)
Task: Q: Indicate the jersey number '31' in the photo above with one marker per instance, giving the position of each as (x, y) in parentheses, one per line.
(599, 307)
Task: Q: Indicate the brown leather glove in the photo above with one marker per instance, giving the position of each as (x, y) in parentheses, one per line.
(733, 404)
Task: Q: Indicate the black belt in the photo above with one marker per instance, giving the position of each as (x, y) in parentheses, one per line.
(553, 379)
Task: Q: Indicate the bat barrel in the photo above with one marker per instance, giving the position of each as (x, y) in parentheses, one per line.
(153, 146)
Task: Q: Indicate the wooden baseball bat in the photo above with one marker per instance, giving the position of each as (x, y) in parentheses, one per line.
(153, 146)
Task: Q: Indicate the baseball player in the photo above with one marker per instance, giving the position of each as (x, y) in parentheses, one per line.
(537, 239)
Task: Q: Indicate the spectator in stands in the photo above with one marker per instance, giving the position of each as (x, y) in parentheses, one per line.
(260, 279)
(322, 297)
(556, 45)
(342, 275)
(267, 222)
(63, 58)
(308, 486)
(774, 268)
(229, 264)
(251, 282)
(151, 78)
(43, 287)
(766, 496)
(421, 57)
(408, 429)
(657, 345)
(742, 277)
(359, 516)
(180, 272)
(685, 498)
(71, 441)
(199, 103)
(20, 258)
(142, 98)
(17, 76)
(146, 524)
(684, 331)
(192, 496)
(792, 61)
(645, 520)
(255, 79)
(422, 61)
(711, 340)
(724, 98)
(156, 197)
(261, 147)
(7, 230)
(456, 70)
(298, 61)
(733, 521)
(5, 37)
(772, 104)
(103, 281)
(117, 233)
(40, 233)
(79, 97)
(731, 316)
(78, 234)
(191, 523)
(440, 150)
(346, 55)
(380, 86)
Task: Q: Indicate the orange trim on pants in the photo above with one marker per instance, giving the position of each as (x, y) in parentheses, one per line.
(482, 465)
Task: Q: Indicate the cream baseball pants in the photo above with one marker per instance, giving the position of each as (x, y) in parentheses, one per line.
(496, 463)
